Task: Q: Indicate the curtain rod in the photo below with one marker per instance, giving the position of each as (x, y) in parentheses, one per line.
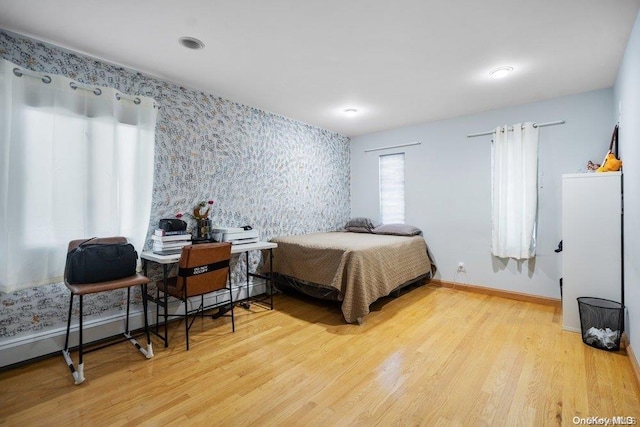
(19, 73)
(535, 125)
(392, 146)
(75, 85)
(96, 90)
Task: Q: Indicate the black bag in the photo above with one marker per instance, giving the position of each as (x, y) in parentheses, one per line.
(91, 262)
(172, 224)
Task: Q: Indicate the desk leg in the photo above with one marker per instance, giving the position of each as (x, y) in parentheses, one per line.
(271, 275)
(165, 274)
(245, 302)
(247, 261)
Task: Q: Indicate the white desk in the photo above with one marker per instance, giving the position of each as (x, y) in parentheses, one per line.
(166, 260)
(235, 249)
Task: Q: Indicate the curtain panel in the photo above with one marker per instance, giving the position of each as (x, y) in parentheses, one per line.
(514, 198)
(75, 162)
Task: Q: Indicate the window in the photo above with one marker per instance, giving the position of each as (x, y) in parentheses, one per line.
(392, 188)
(75, 163)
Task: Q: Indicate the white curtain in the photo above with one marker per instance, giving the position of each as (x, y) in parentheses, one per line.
(514, 191)
(74, 163)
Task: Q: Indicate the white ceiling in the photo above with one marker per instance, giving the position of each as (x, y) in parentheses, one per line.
(398, 62)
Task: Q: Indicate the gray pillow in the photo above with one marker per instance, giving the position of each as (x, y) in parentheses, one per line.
(397, 230)
(359, 225)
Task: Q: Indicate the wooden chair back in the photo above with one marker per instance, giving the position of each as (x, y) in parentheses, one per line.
(203, 268)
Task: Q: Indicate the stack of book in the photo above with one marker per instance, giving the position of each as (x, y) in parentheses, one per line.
(169, 242)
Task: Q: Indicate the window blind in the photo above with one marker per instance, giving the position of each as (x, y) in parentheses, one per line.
(392, 188)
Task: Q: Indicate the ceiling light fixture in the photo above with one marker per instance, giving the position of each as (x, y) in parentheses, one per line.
(351, 112)
(191, 43)
(500, 72)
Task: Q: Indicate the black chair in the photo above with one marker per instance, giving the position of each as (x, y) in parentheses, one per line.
(91, 288)
(202, 269)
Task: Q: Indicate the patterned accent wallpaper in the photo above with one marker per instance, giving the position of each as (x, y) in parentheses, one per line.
(278, 175)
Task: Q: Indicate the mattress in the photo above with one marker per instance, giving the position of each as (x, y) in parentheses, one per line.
(361, 267)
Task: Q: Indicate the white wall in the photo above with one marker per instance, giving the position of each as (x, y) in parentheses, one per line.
(448, 185)
(627, 105)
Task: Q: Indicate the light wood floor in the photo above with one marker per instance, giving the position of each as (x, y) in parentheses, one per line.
(433, 356)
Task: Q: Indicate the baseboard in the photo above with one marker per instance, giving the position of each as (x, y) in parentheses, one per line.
(554, 302)
(23, 349)
(571, 329)
(634, 363)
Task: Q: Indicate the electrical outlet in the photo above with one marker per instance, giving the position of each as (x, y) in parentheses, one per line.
(461, 266)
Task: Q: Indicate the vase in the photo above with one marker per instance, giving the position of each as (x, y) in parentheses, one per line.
(203, 228)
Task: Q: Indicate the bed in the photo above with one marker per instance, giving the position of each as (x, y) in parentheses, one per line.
(354, 268)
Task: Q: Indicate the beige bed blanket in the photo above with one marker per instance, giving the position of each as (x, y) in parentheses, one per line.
(362, 267)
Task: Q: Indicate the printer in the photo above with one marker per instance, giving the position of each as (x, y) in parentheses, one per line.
(236, 235)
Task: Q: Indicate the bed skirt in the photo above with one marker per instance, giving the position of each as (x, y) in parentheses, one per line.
(285, 283)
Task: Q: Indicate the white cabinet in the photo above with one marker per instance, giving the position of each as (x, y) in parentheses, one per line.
(591, 241)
